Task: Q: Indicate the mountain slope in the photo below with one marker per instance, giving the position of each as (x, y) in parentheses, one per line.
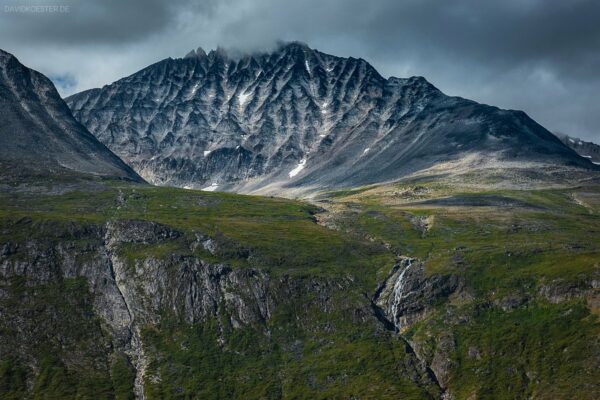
(589, 150)
(39, 135)
(297, 117)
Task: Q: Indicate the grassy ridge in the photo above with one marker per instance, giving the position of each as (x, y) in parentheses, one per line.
(281, 234)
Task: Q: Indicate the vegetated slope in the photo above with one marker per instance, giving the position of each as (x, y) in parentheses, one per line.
(297, 118)
(39, 136)
(414, 291)
(501, 294)
(178, 293)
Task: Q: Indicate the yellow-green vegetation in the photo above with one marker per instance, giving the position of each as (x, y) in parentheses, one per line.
(278, 234)
(509, 340)
(498, 239)
(523, 323)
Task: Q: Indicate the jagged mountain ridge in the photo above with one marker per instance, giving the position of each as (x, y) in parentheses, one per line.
(589, 150)
(297, 117)
(39, 134)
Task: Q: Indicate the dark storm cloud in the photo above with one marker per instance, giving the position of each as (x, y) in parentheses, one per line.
(90, 22)
(536, 55)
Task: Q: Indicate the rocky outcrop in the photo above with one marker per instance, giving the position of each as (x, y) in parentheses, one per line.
(558, 291)
(129, 296)
(407, 295)
(132, 293)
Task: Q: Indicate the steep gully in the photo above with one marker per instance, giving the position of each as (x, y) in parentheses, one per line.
(386, 302)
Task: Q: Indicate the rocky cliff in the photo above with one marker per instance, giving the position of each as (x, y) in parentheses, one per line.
(107, 307)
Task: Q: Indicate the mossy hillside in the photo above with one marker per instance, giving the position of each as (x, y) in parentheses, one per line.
(542, 350)
(497, 249)
(301, 353)
(281, 236)
(52, 343)
(276, 234)
(304, 352)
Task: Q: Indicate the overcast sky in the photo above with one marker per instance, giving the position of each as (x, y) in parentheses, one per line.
(541, 56)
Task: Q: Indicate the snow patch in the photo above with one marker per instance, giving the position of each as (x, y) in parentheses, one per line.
(213, 186)
(586, 156)
(298, 168)
(207, 152)
(307, 66)
(571, 140)
(195, 88)
(366, 150)
(322, 135)
(243, 98)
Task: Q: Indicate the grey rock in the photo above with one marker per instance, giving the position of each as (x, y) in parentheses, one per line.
(407, 295)
(297, 119)
(558, 291)
(38, 134)
(442, 362)
(132, 294)
(589, 150)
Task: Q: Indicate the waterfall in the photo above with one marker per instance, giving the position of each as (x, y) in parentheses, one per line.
(398, 293)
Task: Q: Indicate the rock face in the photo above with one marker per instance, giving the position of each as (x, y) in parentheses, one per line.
(38, 133)
(407, 294)
(128, 297)
(296, 119)
(130, 294)
(585, 149)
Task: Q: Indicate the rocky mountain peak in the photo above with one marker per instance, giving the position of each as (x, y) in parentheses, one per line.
(198, 53)
(297, 118)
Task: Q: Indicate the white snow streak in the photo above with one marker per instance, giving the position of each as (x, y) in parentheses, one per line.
(243, 98)
(213, 186)
(206, 152)
(195, 88)
(298, 168)
(366, 150)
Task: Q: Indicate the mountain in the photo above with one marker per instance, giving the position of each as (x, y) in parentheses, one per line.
(419, 289)
(39, 135)
(589, 150)
(297, 118)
